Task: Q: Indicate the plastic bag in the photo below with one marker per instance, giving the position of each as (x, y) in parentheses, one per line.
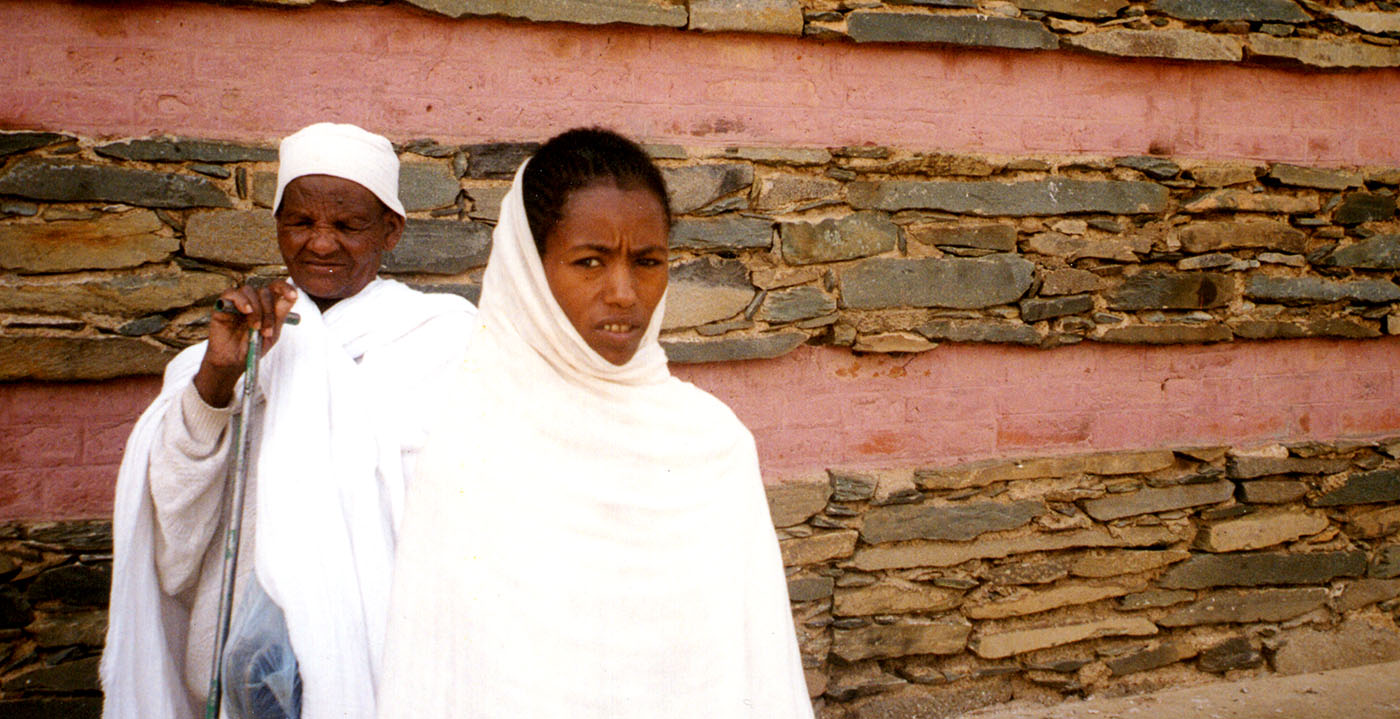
(260, 678)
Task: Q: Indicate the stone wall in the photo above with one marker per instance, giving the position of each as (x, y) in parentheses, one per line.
(926, 591)
(112, 251)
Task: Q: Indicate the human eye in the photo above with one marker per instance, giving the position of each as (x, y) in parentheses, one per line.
(588, 262)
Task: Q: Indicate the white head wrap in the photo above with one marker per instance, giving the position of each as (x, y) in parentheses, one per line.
(341, 150)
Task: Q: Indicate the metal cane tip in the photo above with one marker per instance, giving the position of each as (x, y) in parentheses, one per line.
(222, 305)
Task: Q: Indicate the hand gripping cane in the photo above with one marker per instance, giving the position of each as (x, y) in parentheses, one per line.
(235, 520)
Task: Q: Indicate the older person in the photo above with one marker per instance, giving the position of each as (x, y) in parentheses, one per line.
(588, 536)
(342, 403)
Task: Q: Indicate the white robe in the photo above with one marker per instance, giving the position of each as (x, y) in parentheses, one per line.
(584, 540)
(342, 393)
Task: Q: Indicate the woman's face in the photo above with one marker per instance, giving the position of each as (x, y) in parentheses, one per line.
(605, 261)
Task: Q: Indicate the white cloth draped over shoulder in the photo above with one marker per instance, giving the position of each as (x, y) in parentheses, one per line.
(330, 491)
(584, 540)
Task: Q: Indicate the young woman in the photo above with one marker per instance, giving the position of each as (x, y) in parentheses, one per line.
(587, 536)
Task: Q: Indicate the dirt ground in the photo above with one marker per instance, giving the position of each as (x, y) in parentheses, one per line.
(1368, 692)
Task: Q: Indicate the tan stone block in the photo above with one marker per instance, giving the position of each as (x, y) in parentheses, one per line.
(1243, 606)
(794, 500)
(1376, 23)
(1365, 592)
(1006, 644)
(818, 547)
(1259, 530)
(892, 342)
(946, 554)
(1324, 53)
(1127, 561)
(1246, 201)
(1214, 236)
(1031, 601)
(1169, 44)
(108, 242)
(1377, 522)
(946, 636)
(983, 473)
(1113, 463)
(1069, 282)
(894, 487)
(1223, 174)
(1122, 249)
(894, 597)
(236, 237)
(1356, 642)
(125, 294)
(80, 358)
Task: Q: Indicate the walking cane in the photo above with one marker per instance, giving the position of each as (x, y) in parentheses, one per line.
(235, 521)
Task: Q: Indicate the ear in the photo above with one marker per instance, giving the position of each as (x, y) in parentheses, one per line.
(395, 233)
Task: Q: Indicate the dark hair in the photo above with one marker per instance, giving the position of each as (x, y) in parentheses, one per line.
(576, 159)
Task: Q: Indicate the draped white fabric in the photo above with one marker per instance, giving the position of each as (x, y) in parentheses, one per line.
(584, 540)
(330, 488)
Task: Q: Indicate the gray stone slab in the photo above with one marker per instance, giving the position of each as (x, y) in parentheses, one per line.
(1359, 207)
(1246, 607)
(857, 235)
(960, 283)
(1323, 53)
(1379, 485)
(948, 636)
(15, 142)
(1272, 492)
(1234, 653)
(1156, 657)
(73, 182)
(176, 149)
(782, 190)
(1381, 252)
(427, 186)
(796, 303)
(440, 247)
(1037, 309)
(129, 294)
(809, 589)
(1158, 499)
(979, 331)
(777, 17)
(956, 522)
(1202, 237)
(497, 160)
(1246, 467)
(1159, 168)
(728, 232)
(999, 237)
(1302, 290)
(108, 242)
(68, 359)
(1154, 290)
(1262, 569)
(1171, 333)
(974, 30)
(732, 349)
(692, 187)
(706, 290)
(1315, 177)
(1215, 10)
(1386, 565)
(1092, 9)
(1055, 196)
(1166, 44)
(234, 237)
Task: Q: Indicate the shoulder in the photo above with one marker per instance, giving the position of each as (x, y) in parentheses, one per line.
(706, 411)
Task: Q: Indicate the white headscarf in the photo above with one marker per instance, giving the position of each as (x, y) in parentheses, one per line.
(340, 150)
(584, 539)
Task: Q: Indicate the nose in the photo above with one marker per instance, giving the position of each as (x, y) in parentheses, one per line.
(620, 288)
(322, 240)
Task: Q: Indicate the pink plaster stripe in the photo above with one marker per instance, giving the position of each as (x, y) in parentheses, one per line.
(824, 407)
(256, 73)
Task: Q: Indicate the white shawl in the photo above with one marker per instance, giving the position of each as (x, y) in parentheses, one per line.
(330, 487)
(584, 540)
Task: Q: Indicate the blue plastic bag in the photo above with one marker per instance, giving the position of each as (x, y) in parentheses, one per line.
(260, 679)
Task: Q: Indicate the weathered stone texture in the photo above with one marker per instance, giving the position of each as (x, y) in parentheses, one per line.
(242, 238)
(706, 290)
(79, 358)
(1377, 522)
(1249, 467)
(722, 233)
(1258, 530)
(1122, 249)
(1246, 606)
(1158, 499)
(16, 142)
(765, 346)
(1321, 179)
(1125, 561)
(1069, 282)
(795, 501)
(176, 149)
(947, 636)
(947, 554)
(953, 522)
(1022, 641)
(1159, 656)
(440, 247)
(132, 294)
(1323, 53)
(109, 242)
(1234, 653)
(1035, 310)
(1034, 601)
(781, 190)
(73, 182)
(1251, 10)
(796, 303)
(1359, 207)
(977, 331)
(1055, 196)
(861, 234)
(1292, 290)
(779, 17)
(1245, 201)
(1355, 642)
(1153, 290)
(427, 186)
(1381, 252)
(1169, 44)
(962, 283)
(1272, 492)
(1365, 592)
(810, 589)
(818, 547)
(894, 598)
(1075, 8)
(1373, 22)
(586, 12)
(1380, 485)
(978, 30)
(1000, 238)
(1215, 236)
(1264, 568)
(692, 187)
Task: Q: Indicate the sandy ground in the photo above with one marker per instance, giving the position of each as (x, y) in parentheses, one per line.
(1369, 692)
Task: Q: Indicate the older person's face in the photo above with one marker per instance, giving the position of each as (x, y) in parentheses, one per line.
(605, 261)
(332, 233)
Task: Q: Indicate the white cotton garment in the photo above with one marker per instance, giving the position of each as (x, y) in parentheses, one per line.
(330, 477)
(584, 540)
